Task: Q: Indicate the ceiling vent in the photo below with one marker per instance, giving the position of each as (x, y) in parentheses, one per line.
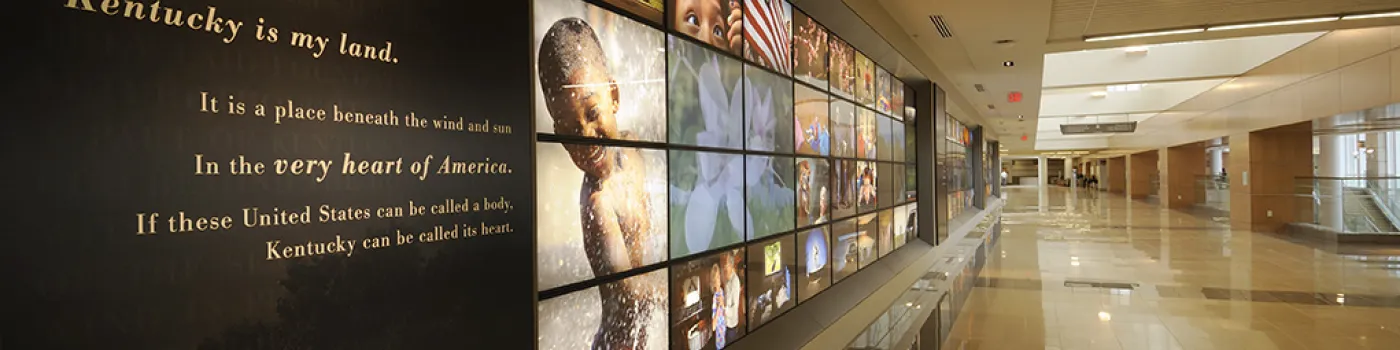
(943, 29)
(980, 88)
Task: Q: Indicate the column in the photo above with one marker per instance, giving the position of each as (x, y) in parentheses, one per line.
(1331, 162)
(1069, 171)
(1263, 166)
(1142, 167)
(1042, 170)
(1216, 157)
(1373, 155)
(1097, 168)
(1180, 168)
(995, 148)
(974, 152)
(929, 124)
(1381, 163)
(1042, 165)
(1117, 175)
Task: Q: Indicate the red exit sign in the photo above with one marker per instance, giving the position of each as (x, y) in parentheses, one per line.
(1013, 97)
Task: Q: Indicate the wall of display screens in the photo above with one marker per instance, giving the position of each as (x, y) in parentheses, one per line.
(704, 167)
(960, 169)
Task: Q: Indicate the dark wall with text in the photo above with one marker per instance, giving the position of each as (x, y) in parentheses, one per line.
(263, 174)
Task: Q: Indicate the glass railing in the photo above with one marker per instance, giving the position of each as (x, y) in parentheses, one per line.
(937, 297)
(1349, 204)
(1213, 192)
(1387, 191)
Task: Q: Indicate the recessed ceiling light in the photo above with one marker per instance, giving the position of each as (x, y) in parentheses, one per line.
(1008, 64)
(1372, 15)
(1099, 94)
(1274, 23)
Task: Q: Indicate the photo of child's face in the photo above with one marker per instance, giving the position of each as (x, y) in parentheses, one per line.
(590, 107)
(604, 219)
(600, 75)
(716, 22)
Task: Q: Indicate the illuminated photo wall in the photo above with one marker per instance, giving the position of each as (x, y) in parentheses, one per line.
(960, 170)
(704, 167)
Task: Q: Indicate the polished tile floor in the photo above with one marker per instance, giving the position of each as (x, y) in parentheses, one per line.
(1092, 270)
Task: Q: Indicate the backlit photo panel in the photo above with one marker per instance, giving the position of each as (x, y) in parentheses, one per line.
(594, 223)
(598, 74)
(707, 301)
(768, 34)
(706, 99)
(812, 122)
(717, 23)
(809, 50)
(813, 262)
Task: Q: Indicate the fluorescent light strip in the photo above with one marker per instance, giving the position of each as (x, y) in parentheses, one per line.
(1274, 23)
(1244, 26)
(1372, 15)
(1144, 35)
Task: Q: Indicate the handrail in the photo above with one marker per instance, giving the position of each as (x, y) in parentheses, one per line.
(1389, 201)
(1370, 223)
(1344, 178)
(1385, 209)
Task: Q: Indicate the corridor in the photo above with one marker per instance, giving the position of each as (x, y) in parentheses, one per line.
(1092, 270)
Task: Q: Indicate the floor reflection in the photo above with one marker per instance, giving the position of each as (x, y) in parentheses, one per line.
(1088, 270)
